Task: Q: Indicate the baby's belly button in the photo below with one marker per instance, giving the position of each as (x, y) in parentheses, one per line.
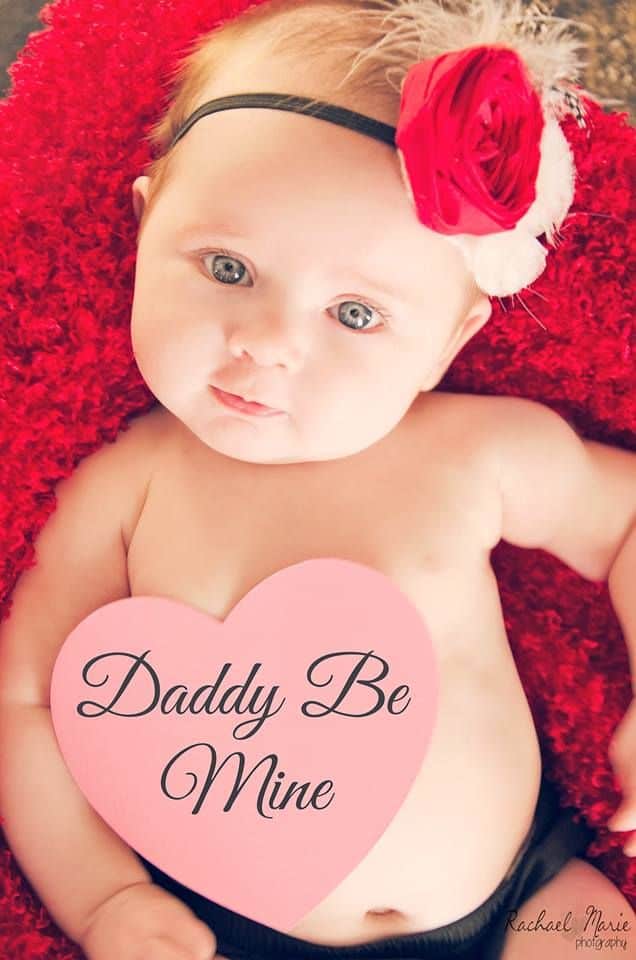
(387, 921)
(377, 922)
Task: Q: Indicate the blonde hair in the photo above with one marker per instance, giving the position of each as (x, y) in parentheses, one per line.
(371, 44)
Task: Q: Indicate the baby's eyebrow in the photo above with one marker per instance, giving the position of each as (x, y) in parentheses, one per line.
(191, 230)
(385, 289)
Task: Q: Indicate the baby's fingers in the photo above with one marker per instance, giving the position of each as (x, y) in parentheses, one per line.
(624, 818)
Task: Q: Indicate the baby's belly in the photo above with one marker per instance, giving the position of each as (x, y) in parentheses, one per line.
(463, 821)
(472, 802)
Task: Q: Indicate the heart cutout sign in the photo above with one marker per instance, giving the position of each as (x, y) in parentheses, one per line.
(227, 752)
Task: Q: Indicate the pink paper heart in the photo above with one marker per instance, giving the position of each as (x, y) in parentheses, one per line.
(321, 634)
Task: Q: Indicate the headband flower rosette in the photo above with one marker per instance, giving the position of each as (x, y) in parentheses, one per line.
(468, 135)
(471, 138)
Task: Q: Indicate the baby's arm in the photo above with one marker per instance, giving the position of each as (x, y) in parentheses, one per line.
(93, 885)
(575, 498)
(559, 492)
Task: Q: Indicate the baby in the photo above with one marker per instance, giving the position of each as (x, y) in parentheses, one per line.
(293, 316)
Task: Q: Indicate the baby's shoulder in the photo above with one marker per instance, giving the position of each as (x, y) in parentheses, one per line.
(479, 419)
(490, 437)
(136, 454)
(468, 422)
(477, 432)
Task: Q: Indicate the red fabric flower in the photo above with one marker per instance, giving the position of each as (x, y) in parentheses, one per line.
(468, 137)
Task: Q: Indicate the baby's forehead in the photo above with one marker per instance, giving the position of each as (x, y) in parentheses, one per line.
(292, 178)
(265, 152)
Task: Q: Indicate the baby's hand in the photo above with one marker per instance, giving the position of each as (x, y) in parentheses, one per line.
(622, 754)
(145, 922)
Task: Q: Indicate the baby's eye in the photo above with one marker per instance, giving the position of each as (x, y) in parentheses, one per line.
(353, 314)
(358, 316)
(225, 268)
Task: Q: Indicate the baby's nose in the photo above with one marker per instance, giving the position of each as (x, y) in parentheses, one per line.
(269, 341)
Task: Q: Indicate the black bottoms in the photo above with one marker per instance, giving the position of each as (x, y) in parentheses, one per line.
(553, 839)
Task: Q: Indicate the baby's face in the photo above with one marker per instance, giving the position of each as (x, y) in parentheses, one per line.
(284, 265)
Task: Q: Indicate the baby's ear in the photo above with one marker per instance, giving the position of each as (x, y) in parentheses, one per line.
(472, 322)
(140, 195)
(475, 318)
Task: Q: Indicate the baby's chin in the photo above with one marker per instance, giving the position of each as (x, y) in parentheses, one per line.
(252, 441)
(263, 442)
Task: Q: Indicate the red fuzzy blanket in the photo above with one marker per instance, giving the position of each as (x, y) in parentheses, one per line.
(85, 90)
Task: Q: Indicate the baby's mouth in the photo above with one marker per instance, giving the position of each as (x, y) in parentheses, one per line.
(235, 402)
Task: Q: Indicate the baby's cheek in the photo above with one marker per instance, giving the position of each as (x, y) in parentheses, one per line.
(141, 336)
(179, 360)
(156, 356)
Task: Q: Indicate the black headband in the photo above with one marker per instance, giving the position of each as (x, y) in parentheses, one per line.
(282, 101)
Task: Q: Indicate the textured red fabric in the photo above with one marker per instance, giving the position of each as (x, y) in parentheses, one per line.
(85, 90)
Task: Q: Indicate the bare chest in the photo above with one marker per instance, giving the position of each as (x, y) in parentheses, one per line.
(207, 538)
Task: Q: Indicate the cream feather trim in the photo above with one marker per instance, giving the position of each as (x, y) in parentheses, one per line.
(412, 30)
